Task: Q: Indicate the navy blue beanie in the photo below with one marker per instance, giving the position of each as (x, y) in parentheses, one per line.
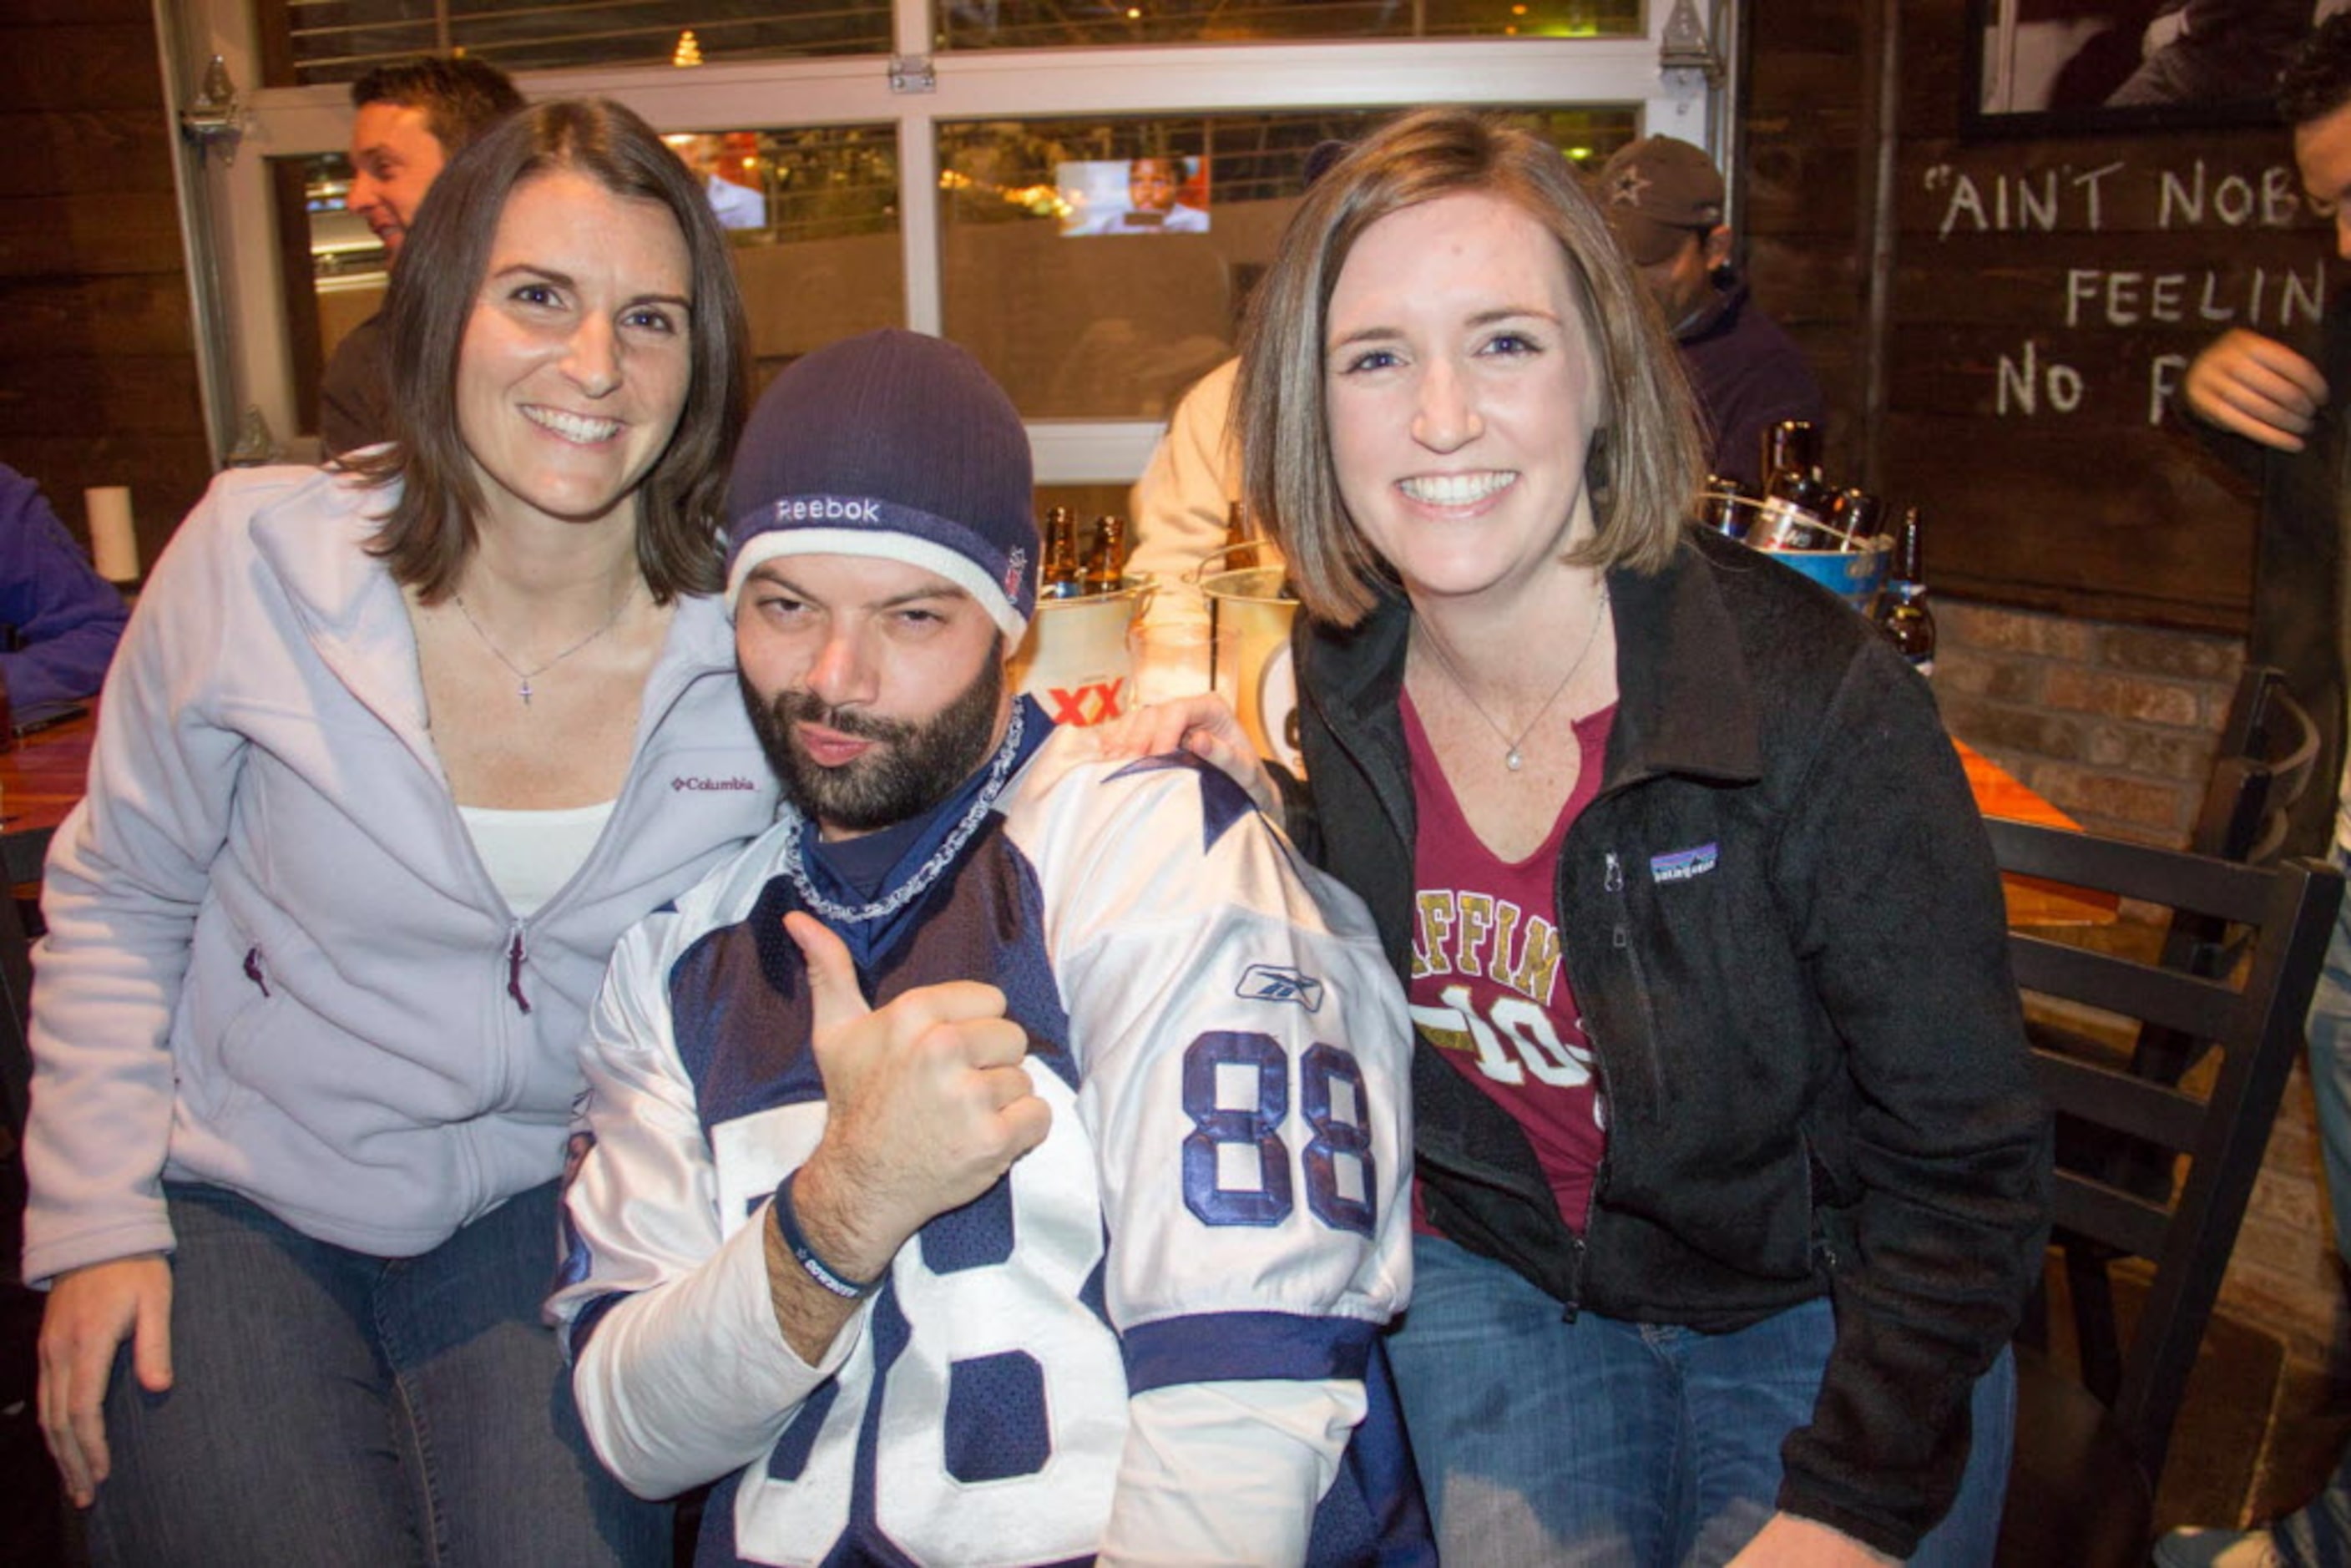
(894, 444)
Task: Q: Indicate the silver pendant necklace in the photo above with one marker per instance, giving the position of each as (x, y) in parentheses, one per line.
(1511, 757)
(524, 678)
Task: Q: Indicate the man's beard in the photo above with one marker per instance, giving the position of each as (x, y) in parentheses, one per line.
(913, 766)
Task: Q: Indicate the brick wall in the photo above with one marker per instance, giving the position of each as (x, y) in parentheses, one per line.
(2116, 725)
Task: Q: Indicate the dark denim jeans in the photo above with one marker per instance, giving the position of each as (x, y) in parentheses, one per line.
(1543, 1443)
(334, 1408)
(2319, 1534)
(2329, 1031)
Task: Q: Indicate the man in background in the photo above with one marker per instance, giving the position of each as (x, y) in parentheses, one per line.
(1665, 200)
(736, 206)
(2272, 413)
(413, 117)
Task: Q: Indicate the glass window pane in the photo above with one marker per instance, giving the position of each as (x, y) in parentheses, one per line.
(1099, 267)
(337, 40)
(343, 285)
(1055, 24)
(811, 215)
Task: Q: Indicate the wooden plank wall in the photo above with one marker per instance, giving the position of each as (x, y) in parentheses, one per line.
(2041, 290)
(2142, 549)
(98, 371)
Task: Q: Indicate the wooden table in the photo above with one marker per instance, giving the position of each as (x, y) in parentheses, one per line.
(2032, 900)
(40, 780)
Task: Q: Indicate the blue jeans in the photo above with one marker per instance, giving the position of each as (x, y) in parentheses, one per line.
(330, 1407)
(1600, 1442)
(2319, 1536)
(2329, 1029)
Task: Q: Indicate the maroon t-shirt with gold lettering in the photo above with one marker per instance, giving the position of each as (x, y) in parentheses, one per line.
(1488, 987)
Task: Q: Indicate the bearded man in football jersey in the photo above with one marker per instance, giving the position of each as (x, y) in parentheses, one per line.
(1005, 1160)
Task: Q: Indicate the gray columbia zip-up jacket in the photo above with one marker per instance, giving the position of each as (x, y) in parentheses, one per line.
(275, 962)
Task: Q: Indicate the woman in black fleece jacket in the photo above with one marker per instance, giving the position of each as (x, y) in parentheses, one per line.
(1732, 1176)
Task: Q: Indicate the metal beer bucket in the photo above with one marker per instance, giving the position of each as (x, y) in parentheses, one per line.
(1075, 658)
(1855, 575)
(1249, 616)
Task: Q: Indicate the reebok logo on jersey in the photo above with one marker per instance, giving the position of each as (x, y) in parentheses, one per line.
(1271, 983)
(1682, 865)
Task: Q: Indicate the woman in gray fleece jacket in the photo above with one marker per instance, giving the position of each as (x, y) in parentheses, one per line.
(391, 756)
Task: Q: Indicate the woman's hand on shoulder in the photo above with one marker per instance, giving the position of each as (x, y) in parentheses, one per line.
(1802, 1542)
(1205, 726)
(91, 1311)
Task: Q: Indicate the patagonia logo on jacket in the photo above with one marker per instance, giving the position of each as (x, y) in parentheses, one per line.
(1682, 865)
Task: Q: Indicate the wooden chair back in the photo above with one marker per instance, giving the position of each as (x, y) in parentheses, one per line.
(2186, 1231)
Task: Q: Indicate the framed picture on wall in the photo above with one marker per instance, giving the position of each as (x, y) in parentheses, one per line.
(2039, 67)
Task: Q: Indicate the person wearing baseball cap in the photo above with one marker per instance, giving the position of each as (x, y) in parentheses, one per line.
(1663, 199)
(941, 1195)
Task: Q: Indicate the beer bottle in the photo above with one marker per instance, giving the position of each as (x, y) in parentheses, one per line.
(1107, 570)
(1726, 506)
(1860, 518)
(1237, 531)
(1060, 573)
(1903, 614)
(1790, 444)
(1796, 500)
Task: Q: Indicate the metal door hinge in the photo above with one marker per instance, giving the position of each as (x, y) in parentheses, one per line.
(1687, 46)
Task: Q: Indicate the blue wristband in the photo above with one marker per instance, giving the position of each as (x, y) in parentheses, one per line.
(787, 1226)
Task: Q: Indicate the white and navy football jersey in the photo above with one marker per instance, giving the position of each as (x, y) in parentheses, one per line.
(1155, 1339)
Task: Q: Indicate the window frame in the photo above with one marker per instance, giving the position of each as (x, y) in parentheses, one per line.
(240, 322)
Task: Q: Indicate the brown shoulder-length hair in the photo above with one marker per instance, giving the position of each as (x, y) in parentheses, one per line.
(1646, 461)
(430, 532)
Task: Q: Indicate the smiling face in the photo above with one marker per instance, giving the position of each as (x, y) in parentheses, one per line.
(395, 158)
(876, 687)
(1461, 395)
(576, 360)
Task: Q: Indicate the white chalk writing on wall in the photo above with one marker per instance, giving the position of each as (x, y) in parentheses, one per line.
(2038, 378)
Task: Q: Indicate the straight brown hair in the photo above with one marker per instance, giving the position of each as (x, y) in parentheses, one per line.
(1646, 461)
(461, 97)
(429, 534)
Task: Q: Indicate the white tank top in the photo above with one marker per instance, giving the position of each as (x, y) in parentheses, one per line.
(531, 854)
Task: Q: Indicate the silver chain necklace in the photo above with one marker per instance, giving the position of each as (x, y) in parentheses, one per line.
(999, 773)
(1511, 758)
(524, 678)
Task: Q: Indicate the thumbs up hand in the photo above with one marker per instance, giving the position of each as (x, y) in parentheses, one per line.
(926, 1104)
